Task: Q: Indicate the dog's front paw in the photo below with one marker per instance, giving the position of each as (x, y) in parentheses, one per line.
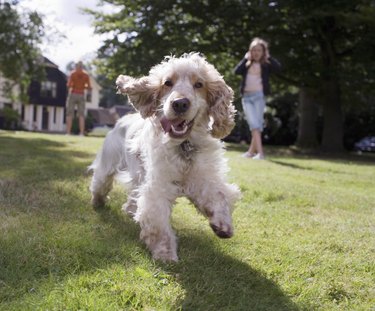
(165, 256)
(98, 201)
(222, 231)
(222, 226)
(163, 245)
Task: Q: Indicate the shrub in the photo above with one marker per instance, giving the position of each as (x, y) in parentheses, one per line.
(9, 118)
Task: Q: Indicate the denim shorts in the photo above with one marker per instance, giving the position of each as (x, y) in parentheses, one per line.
(253, 105)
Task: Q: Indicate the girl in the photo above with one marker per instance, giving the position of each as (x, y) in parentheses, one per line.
(255, 69)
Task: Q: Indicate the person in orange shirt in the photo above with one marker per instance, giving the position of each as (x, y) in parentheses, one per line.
(78, 82)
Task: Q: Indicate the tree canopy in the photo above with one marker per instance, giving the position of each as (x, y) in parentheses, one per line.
(324, 45)
(20, 35)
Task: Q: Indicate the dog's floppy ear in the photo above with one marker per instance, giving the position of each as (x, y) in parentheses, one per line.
(220, 97)
(141, 93)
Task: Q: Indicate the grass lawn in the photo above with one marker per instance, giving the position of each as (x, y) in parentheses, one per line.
(304, 236)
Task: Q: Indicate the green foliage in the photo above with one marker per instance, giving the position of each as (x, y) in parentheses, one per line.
(88, 124)
(319, 41)
(109, 96)
(303, 241)
(10, 118)
(20, 35)
(306, 37)
(328, 46)
(143, 32)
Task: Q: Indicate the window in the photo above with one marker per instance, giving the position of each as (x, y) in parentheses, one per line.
(54, 115)
(22, 112)
(34, 113)
(48, 89)
(88, 96)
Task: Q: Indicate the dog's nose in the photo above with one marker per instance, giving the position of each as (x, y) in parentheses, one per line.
(181, 105)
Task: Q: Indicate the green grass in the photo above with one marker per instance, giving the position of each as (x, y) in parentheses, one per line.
(304, 236)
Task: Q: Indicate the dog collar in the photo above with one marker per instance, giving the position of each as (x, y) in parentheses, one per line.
(187, 149)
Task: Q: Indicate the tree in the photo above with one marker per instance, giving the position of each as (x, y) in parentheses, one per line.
(325, 47)
(143, 32)
(333, 45)
(20, 35)
(308, 111)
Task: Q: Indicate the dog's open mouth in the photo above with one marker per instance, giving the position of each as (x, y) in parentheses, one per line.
(176, 128)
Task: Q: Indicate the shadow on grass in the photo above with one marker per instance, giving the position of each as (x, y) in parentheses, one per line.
(44, 228)
(40, 159)
(292, 152)
(212, 280)
(40, 176)
(215, 281)
(291, 165)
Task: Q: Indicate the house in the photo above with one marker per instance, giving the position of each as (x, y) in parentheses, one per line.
(45, 107)
(101, 117)
(119, 111)
(108, 116)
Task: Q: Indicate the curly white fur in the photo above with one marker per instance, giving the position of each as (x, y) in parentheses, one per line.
(171, 148)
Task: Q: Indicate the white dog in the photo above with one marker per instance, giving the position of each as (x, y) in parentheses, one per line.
(171, 148)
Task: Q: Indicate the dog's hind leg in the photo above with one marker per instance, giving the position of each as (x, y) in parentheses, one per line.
(130, 207)
(132, 181)
(105, 167)
(101, 185)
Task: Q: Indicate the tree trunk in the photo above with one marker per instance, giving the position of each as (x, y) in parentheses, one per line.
(308, 111)
(332, 140)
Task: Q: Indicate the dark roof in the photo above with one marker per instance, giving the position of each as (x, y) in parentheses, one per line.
(49, 63)
(53, 74)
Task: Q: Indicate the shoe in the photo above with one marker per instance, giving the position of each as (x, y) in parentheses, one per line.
(247, 154)
(258, 157)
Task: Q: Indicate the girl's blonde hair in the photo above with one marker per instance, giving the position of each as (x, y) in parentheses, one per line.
(264, 45)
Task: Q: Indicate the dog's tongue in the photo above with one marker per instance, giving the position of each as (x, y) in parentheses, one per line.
(167, 124)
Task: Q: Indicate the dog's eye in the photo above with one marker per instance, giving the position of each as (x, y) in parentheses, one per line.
(198, 85)
(168, 83)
